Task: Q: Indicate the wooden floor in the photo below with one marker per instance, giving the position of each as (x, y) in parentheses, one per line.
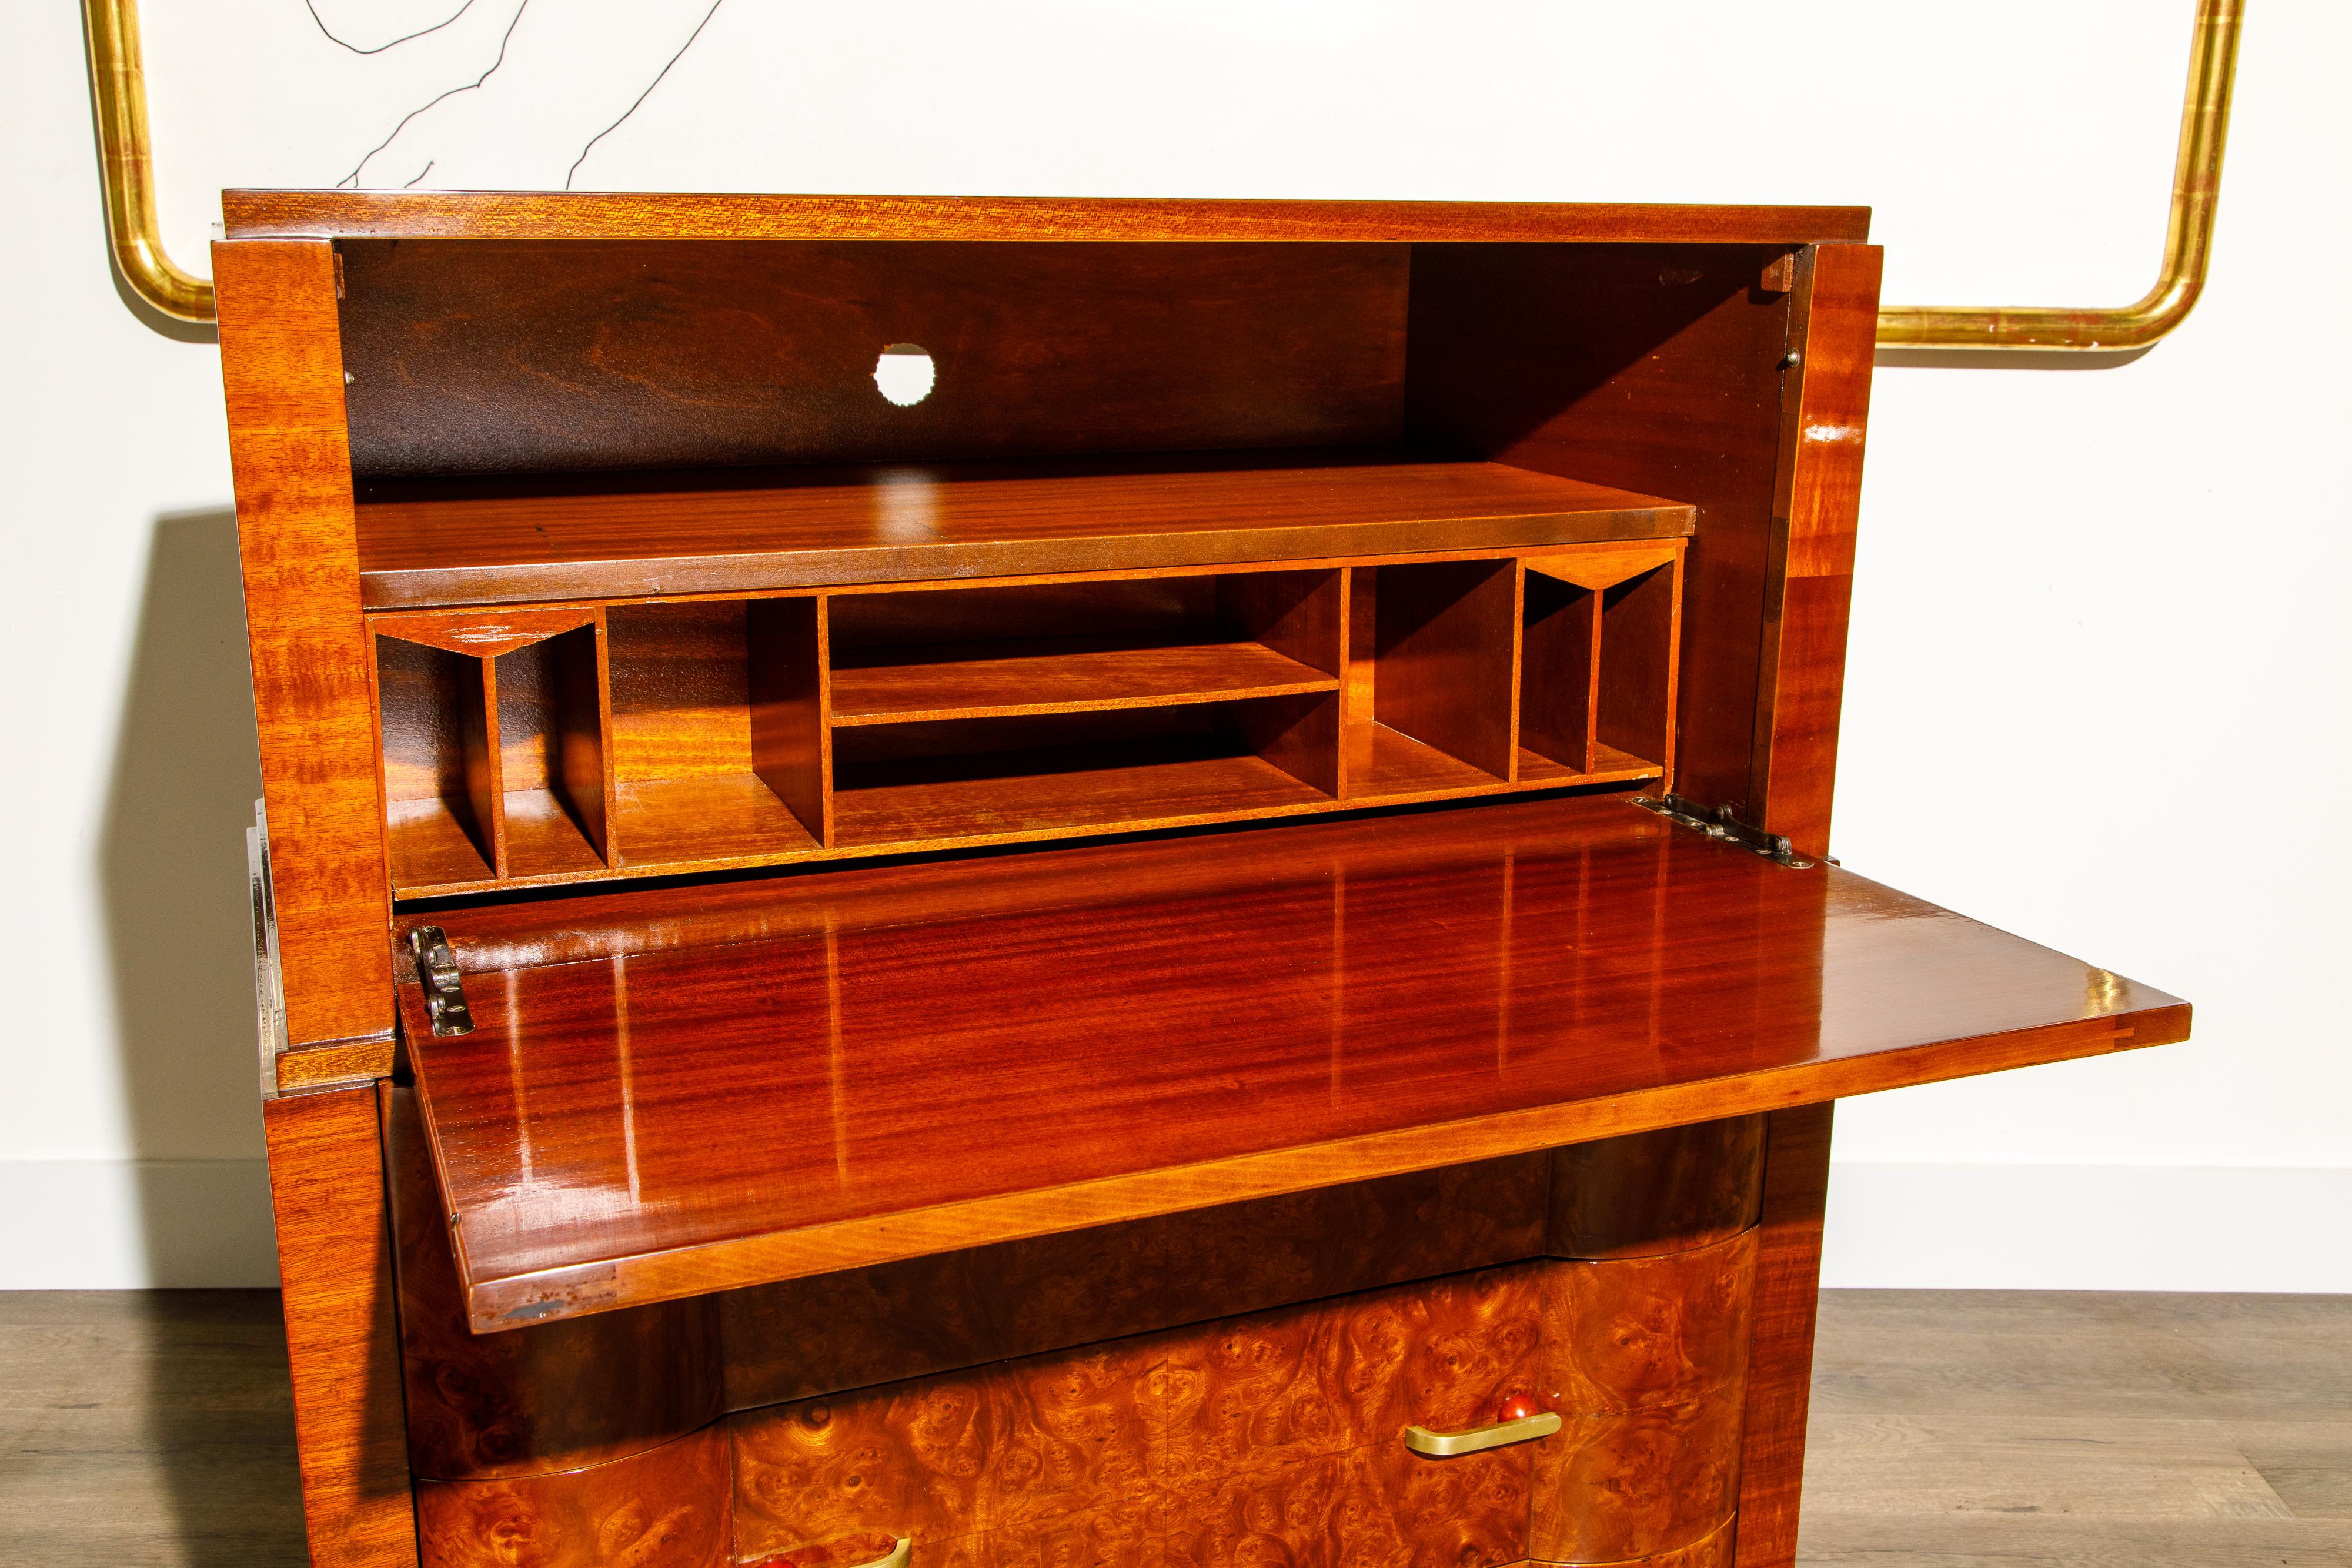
(1952, 1430)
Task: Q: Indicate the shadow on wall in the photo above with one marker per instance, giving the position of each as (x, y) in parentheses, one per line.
(171, 869)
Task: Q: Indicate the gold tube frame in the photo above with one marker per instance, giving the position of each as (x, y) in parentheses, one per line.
(119, 87)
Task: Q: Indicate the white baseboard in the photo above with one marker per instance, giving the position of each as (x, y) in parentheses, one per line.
(122, 1225)
(131, 1224)
(2088, 1227)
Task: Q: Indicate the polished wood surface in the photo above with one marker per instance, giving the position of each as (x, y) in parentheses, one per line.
(282, 370)
(724, 532)
(662, 1508)
(996, 680)
(855, 1328)
(633, 354)
(1653, 1193)
(1164, 1025)
(1646, 1361)
(1445, 642)
(1660, 369)
(1780, 1354)
(1202, 1443)
(1803, 678)
(334, 1263)
(558, 1396)
(644, 215)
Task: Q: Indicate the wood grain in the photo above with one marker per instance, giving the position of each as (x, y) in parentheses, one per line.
(1206, 967)
(282, 368)
(334, 1264)
(1446, 639)
(995, 680)
(617, 354)
(1559, 669)
(1651, 367)
(1646, 1361)
(1656, 1193)
(1780, 1352)
(1802, 685)
(558, 1396)
(731, 531)
(894, 1321)
(1381, 1505)
(664, 1508)
(1259, 1394)
(1019, 1446)
(637, 215)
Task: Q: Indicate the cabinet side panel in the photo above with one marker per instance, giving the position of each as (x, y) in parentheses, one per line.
(334, 1261)
(1803, 675)
(282, 367)
(1781, 1347)
(1655, 369)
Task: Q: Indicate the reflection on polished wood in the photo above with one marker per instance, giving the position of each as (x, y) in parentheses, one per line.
(741, 530)
(1652, 1192)
(1646, 1359)
(664, 1508)
(922, 1074)
(554, 1396)
(858, 1327)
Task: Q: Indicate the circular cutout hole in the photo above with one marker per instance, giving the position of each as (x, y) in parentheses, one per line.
(903, 374)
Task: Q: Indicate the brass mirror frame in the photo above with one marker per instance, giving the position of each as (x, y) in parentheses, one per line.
(120, 90)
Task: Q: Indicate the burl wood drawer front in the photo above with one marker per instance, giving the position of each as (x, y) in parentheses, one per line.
(1646, 1361)
(1013, 1450)
(664, 1508)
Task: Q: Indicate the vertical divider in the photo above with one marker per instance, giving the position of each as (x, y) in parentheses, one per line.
(791, 721)
(1560, 662)
(584, 717)
(1640, 643)
(477, 708)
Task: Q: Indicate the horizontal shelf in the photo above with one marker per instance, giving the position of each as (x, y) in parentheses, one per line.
(681, 822)
(428, 543)
(1610, 766)
(1007, 795)
(826, 1071)
(1058, 675)
(431, 848)
(1388, 764)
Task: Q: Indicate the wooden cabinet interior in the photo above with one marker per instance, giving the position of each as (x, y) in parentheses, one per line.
(736, 732)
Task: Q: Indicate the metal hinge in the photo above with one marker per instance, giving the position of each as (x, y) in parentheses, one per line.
(437, 968)
(1719, 823)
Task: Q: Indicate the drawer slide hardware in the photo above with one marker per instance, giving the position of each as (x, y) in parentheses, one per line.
(1719, 823)
(1445, 1445)
(436, 969)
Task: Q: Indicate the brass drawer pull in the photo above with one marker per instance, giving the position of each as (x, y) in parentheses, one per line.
(1445, 1445)
(899, 1556)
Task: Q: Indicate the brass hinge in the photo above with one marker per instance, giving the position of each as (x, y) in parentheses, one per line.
(1719, 823)
(437, 968)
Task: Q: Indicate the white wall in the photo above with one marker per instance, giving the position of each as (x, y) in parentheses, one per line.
(2097, 661)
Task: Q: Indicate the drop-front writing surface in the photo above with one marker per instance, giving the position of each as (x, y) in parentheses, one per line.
(1153, 1026)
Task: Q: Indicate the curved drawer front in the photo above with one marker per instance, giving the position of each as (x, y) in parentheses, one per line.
(1646, 1361)
(664, 1508)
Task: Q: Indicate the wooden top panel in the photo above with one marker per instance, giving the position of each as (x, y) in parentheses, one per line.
(895, 1060)
(426, 543)
(528, 215)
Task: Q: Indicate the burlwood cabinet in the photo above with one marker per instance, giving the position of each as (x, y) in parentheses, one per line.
(1078, 883)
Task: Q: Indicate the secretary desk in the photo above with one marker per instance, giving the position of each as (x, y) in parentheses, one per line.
(1089, 884)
